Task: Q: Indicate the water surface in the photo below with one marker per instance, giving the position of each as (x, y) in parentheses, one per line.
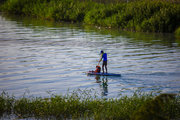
(39, 56)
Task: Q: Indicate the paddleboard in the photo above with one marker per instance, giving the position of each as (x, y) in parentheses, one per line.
(103, 74)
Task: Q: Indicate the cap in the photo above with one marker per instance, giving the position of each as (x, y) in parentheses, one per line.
(102, 51)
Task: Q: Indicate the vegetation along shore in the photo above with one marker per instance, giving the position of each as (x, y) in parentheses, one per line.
(83, 105)
(135, 15)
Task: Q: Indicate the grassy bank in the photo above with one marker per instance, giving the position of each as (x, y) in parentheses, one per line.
(143, 15)
(81, 105)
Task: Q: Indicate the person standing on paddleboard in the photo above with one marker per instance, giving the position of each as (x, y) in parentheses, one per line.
(104, 58)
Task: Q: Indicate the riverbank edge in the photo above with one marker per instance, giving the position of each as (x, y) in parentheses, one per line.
(141, 16)
(82, 105)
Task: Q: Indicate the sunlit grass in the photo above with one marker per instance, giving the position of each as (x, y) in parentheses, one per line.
(84, 105)
(134, 15)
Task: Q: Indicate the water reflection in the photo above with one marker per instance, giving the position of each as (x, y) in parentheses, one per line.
(104, 86)
(103, 83)
(138, 38)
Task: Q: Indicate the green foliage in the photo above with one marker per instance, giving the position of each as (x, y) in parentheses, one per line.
(143, 15)
(5, 103)
(177, 32)
(160, 108)
(81, 104)
(151, 16)
(70, 11)
(2, 105)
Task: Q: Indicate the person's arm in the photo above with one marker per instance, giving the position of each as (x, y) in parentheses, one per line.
(100, 58)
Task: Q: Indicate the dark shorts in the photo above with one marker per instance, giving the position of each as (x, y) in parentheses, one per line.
(105, 63)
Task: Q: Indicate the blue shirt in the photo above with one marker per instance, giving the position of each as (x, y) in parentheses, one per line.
(104, 57)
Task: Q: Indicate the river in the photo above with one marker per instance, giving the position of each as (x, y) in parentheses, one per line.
(39, 57)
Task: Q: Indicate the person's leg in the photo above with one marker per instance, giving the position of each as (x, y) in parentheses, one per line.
(106, 68)
(103, 67)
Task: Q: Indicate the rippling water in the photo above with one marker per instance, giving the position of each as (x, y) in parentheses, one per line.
(38, 56)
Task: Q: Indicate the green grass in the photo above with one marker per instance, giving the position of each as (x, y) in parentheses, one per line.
(83, 105)
(136, 15)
